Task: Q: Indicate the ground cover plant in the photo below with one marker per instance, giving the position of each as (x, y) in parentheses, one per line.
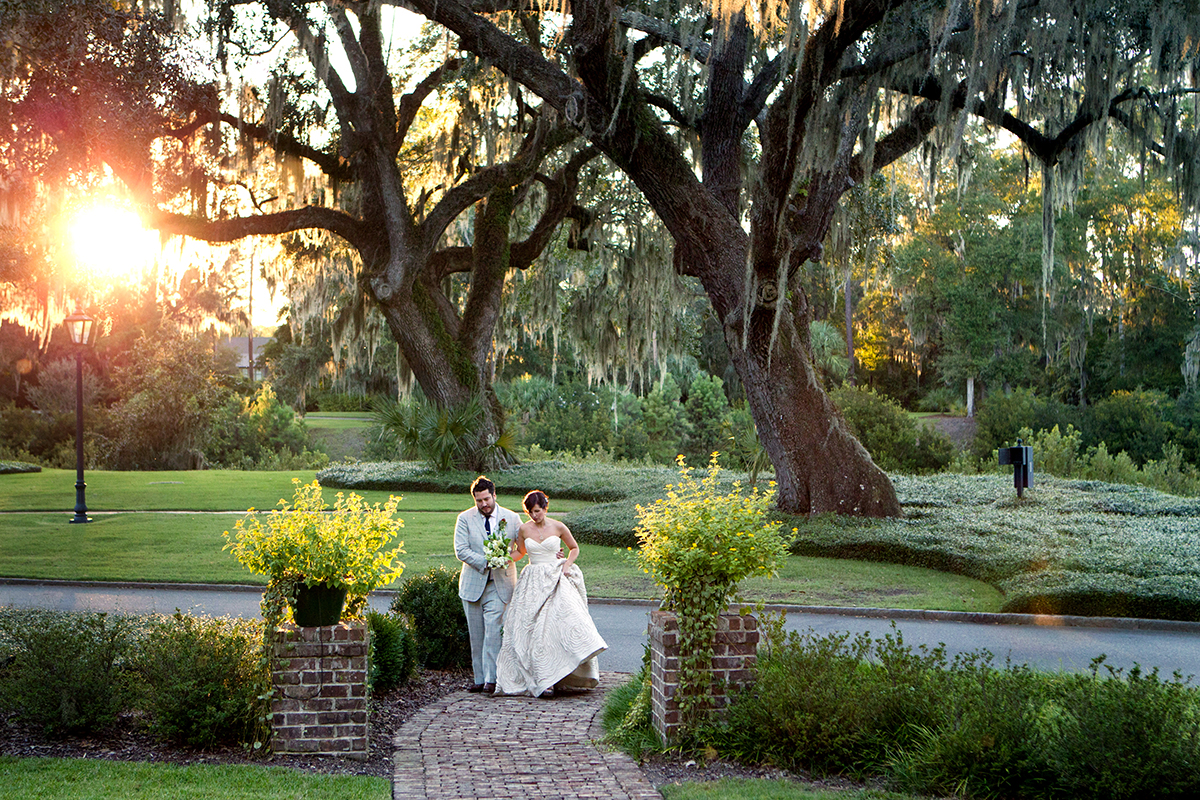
(584, 481)
(1067, 547)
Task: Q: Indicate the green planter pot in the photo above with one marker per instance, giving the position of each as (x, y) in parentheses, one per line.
(318, 605)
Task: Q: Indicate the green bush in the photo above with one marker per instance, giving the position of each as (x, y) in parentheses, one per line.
(706, 408)
(984, 740)
(889, 433)
(1134, 422)
(417, 428)
(1122, 736)
(665, 421)
(606, 524)
(962, 727)
(64, 671)
(260, 432)
(432, 605)
(393, 651)
(343, 401)
(204, 680)
(1002, 416)
(46, 439)
(833, 704)
(576, 417)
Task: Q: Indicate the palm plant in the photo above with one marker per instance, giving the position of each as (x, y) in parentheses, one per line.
(446, 437)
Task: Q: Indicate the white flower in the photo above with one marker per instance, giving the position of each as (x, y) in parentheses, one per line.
(495, 549)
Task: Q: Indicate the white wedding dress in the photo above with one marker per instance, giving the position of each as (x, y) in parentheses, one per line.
(549, 636)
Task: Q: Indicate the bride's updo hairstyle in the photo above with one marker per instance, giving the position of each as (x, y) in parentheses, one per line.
(536, 499)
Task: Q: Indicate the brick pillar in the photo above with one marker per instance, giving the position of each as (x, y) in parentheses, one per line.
(320, 700)
(735, 654)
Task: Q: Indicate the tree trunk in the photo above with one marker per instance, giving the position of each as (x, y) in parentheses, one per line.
(970, 398)
(850, 376)
(819, 466)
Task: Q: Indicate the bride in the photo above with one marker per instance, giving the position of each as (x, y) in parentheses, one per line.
(549, 637)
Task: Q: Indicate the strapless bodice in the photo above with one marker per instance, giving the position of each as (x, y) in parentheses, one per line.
(543, 552)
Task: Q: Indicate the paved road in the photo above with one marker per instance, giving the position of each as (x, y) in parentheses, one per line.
(1059, 643)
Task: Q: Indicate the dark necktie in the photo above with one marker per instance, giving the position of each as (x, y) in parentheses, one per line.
(487, 525)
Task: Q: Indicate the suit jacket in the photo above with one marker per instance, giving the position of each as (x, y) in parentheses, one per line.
(468, 547)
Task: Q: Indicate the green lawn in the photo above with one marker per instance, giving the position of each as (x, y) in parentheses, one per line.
(338, 420)
(187, 547)
(202, 490)
(97, 779)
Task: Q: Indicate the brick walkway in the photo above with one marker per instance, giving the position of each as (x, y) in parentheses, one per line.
(472, 746)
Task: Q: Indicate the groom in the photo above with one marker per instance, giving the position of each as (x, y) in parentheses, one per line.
(484, 591)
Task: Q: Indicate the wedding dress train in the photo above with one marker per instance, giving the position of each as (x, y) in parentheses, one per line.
(549, 636)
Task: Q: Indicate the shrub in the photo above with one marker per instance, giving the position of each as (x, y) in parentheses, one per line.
(343, 401)
(832, 704)
(393, 651)
(606, 524)
(706, 408)
(665, 421)
(585, 480)
(698, 544)
(431, 603)
(65, 670)
(445, 437)
(1002, 416)
(626, 717)
(172, 399)
(204, 680)
(889, 433)
(1054, 452)
(742, 444)
(984, 740)
(1122, 736)
(579, 418)
(47, 439)
(1133, 422)
(307, 542)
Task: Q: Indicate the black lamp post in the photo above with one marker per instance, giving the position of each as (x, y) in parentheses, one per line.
(79, 325)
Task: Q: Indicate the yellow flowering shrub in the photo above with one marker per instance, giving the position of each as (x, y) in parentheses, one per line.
(307, 542)
(698, 543)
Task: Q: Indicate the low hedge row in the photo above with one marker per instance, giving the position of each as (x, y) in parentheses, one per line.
(598, 482)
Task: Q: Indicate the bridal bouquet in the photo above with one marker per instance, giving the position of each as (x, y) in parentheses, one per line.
(496, 546)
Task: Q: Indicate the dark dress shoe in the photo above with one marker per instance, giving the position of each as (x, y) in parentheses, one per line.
(489, 688)
(547, 694)
(476, 687)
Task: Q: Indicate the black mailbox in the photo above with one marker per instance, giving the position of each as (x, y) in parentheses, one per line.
(1020, 458)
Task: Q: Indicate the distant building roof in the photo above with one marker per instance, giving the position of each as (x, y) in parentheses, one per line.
(240, 347)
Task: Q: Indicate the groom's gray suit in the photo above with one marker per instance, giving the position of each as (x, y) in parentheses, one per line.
(484, 591)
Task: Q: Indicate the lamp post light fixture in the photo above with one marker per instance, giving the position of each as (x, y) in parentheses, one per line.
(80, 326)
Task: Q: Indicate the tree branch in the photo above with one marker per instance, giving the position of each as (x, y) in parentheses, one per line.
(561, 190)
(330, 165)
(229, 230)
